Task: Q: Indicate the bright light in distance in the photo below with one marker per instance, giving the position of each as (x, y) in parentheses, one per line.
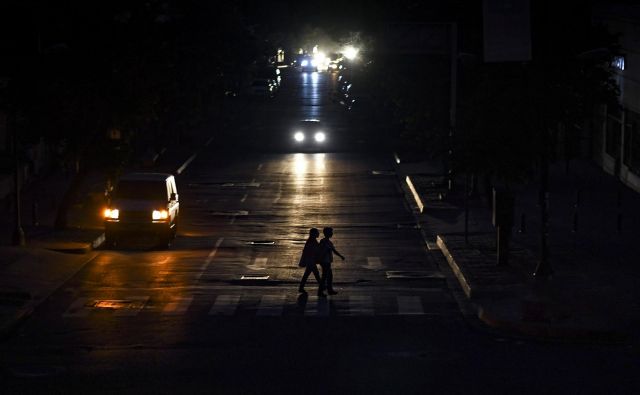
(159, 214)
(304, 63)
(320, 137)
(314, 63)
(299, 137)
(110, 213)
(350, 52)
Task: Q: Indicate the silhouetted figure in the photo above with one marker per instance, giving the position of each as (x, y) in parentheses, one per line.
(326, 251)
(309, 260)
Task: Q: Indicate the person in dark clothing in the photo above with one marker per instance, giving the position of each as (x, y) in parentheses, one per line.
(326, 251)
(309, 261)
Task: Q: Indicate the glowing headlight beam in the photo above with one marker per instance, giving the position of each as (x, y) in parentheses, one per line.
(111, 213)
(159, 214)
(320, 137)
(299, 137)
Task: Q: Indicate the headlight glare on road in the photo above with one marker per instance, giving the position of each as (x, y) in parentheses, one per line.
(111, 213)
(320, 137)
(299, 137)
(159, 214)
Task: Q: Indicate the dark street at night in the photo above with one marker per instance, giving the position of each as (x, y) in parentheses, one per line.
(464, 176)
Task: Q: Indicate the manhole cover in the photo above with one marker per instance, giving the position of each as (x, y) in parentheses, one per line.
(117, 304)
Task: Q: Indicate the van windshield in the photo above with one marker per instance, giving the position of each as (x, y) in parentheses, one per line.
(141, 190)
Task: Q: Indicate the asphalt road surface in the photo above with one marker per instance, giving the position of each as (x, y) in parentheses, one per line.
(183, 320)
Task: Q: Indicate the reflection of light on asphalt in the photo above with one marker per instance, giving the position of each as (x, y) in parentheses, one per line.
(300, 164)
(319, 163)
(314, 78)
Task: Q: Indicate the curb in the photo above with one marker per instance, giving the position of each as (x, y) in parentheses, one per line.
(454, 267)
(92, 245)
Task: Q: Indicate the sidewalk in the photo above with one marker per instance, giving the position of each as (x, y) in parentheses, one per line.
(594, 292)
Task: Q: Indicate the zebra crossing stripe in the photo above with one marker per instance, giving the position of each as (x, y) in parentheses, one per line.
(225, 305)
(271, 305)
(138, 303)
(360, 305)
(409, 305)
(317, 307)
(77, 308)
(178, 305)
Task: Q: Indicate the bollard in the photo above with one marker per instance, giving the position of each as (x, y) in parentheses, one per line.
(523, 224)
(34, 213)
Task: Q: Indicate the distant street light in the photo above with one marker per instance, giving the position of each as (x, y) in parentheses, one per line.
(350, 52)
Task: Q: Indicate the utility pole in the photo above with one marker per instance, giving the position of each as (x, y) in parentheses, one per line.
(453, 99)
(18, 238)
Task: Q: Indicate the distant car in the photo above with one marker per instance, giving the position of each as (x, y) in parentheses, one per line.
(308, 64)
(264, 87)
(143, 203)
(310, 134)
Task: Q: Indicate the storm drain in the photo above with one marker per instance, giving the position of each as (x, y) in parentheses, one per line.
(383, 172)
(416, 275)
(262, 243)
(254, 278)
(229, 213)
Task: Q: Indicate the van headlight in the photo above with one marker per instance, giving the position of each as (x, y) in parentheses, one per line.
(111, 213)
(320, 137)
(159, 214)
(299, 137)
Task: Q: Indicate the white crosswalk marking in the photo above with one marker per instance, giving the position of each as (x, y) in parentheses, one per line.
(137, 304)
(317, 307)
(177, 305)
(374, 263)
(360, 305)
(78, 308)
(410, 305)
(225, 305)
(258, 264)
(271, 305)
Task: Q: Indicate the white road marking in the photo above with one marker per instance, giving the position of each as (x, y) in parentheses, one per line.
(210, 257)
(271, 305)
(360, 305)
(77, 308)
(409, 305)
(225, 305)
(374, 263)
(258, 264)
(244, 198)
(317, 307)
(177, 305)
(138, 304)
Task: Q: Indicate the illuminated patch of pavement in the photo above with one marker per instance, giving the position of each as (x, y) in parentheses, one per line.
(229, 213)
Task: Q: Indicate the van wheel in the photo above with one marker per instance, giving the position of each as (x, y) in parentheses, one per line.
(164, 241)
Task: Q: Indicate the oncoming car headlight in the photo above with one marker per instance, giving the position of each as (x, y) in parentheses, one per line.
(159, 214)
(299, 137)
(320, 137)
(111, 213)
